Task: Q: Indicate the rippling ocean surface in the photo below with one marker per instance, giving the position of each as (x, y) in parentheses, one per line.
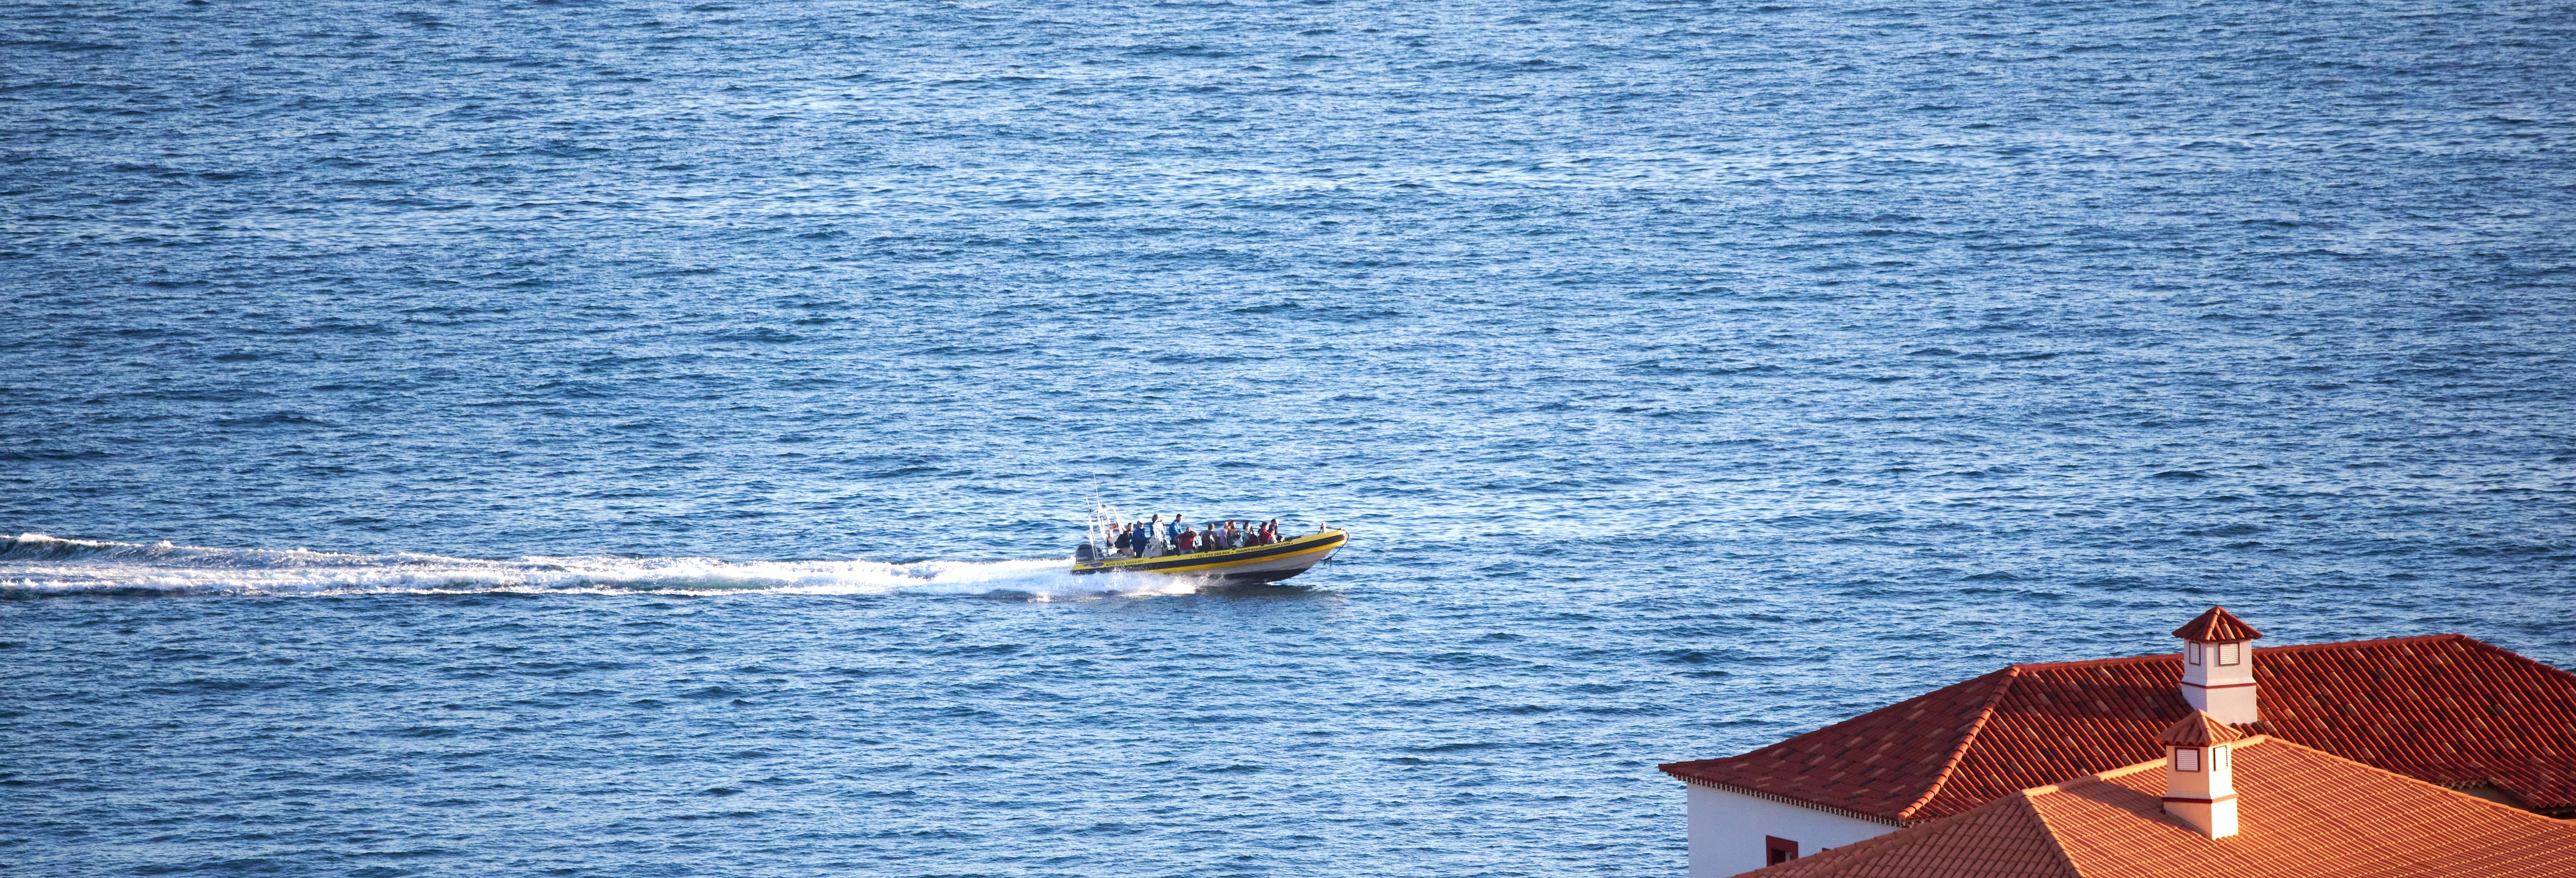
(598, 438)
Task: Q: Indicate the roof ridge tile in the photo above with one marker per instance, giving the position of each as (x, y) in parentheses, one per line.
(2375, 641)
(2501, 652)
(2198, 730)
(2216, 624)
(2086, 663)
(1966, 741)
(2057, 845)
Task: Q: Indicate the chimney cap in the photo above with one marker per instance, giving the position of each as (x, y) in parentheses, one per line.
(2216, 625)
(2198, 730)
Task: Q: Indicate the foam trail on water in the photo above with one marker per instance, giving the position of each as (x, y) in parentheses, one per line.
(34, 564)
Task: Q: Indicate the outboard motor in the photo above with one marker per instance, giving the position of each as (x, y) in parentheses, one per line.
(1082, 552)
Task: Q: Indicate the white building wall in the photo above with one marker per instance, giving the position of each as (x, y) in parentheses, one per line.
(2226, 691)
(1726, 830)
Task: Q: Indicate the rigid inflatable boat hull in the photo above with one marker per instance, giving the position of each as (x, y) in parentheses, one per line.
(1249, 564)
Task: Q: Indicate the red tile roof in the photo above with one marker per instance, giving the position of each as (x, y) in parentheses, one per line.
(2446, 709)
(2300, 812)
(2198, 730)
(2215, 625)
(2006, 838)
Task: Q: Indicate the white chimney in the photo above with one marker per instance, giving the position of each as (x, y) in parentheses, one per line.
(2200, 773)
(2218, 666)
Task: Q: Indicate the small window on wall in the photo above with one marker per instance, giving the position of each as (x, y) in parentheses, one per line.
(2230, 653)
(2218, 759)
(2191, 653)
(2186, 759)
(1777, 850)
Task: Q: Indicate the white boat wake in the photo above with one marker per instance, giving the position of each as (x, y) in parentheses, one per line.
(37, 564)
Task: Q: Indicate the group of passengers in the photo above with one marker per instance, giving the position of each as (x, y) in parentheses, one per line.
(1156, 538)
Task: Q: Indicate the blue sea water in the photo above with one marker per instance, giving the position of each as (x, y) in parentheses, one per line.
(602, 438)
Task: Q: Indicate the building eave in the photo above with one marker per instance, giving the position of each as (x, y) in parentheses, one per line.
(1785, 800)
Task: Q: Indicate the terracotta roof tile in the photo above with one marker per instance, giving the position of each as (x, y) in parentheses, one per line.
(2008, 839)
(2214, 625)
(2198, 730)
(2301, 812)
(2446, 709)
